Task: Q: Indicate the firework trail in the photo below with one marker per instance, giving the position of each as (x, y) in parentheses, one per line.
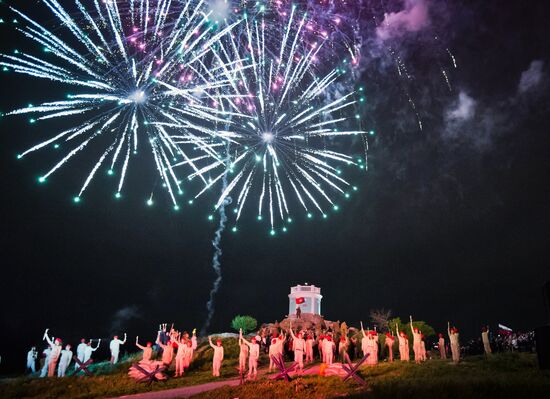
(216, 263)
(121, 51)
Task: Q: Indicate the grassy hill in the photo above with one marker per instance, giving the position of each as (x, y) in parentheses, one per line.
(503, 376)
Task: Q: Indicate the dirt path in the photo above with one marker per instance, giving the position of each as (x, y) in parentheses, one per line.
(185, 392)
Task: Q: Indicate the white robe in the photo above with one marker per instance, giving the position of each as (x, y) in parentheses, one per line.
(64, 361)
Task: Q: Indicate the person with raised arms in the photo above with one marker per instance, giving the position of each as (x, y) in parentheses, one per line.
(147, 349)
(114, 346)
(55, 346)
(299, 348)
(417, 345)
(254, 355)
(403, 344)
(217, 359)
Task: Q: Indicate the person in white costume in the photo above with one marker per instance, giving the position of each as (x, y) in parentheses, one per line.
(89, 350)
(31, 359)
(273, 350)
(44, 371)
(167, 351)
(254, 355)
(390, 340)
(180, 357)
(64, 361)
(455, 344)
(299, 348)
(403, 345)
(328, 350)
(114, 346)
(217, 359)
(243, 353)
(188, 354)
(417, 345)
(80, 352)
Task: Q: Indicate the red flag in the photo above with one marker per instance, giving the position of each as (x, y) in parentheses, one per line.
(300, 300)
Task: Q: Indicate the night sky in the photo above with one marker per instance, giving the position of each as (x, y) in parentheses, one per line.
(451, 222)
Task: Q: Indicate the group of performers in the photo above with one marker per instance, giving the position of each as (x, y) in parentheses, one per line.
(57, 358)
(178, 348)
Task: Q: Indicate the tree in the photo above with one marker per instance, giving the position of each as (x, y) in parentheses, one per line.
(422, 326)
(381, 318)
(246, 323)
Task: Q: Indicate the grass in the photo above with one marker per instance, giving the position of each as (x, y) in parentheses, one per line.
(109, 380)
(503, 376)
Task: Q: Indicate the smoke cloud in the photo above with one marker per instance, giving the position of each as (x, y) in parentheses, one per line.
(532, 77)
(463, 109)
(413, 18)
(122, 316)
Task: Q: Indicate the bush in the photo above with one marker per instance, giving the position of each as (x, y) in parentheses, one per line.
(246, 323)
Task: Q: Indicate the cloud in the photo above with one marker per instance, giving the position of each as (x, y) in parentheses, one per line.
(412, 18)
(532, 77)
(123, 315)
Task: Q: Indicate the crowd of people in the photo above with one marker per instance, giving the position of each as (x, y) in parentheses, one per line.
(175, 349)
(501, 341)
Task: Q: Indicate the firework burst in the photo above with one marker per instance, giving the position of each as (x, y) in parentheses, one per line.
(114, 54)
(279, 144)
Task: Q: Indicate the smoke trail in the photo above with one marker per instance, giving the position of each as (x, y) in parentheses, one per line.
(216, 265)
